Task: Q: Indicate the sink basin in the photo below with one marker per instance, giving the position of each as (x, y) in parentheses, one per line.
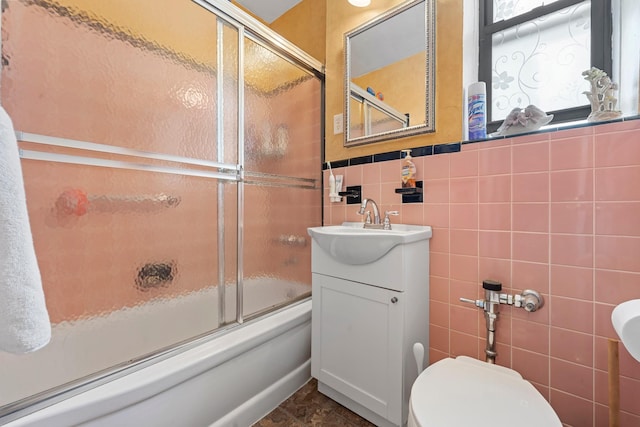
(626, 322)
(352, 244)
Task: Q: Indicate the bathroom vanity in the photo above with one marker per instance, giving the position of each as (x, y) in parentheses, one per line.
(370, 305)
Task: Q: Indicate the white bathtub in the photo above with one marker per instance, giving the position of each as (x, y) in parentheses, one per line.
(232, 379)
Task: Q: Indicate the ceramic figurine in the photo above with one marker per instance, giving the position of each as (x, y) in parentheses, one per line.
(523, 120)
(602, 96)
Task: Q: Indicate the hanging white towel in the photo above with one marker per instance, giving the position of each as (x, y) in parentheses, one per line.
(24, 320)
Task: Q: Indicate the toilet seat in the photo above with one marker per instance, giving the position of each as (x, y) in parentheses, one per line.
(466, 392)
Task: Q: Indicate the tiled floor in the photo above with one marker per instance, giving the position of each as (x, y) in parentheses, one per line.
(309, 407)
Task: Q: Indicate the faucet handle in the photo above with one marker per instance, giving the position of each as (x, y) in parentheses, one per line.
(386, 224)
(368, 217)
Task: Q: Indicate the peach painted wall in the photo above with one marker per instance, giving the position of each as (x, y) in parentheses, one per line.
(556, 212)
(305, 26)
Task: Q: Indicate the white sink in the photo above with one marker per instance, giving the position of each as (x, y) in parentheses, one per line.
(350, 243)
(626, 322)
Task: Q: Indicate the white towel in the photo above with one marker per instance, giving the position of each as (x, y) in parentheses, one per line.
(24, 320)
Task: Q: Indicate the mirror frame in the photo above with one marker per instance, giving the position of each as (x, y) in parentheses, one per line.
(429, 36)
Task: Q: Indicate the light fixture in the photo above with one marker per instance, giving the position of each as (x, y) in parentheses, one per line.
(360, 3)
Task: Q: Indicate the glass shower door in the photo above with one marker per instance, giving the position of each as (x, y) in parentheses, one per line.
(132, 194)
(282, 196)
(172, 164)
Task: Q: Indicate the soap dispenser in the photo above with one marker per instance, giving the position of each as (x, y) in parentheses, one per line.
(408, 171)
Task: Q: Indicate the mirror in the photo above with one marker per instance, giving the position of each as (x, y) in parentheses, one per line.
(389, 75)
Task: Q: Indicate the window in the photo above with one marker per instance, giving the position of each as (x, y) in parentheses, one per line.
(534, 52)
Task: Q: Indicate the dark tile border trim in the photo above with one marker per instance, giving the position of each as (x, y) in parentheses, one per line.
(336, 164)
(383, 157)
(421, 151)
(446, 148)
(360, 160)
(429, 150)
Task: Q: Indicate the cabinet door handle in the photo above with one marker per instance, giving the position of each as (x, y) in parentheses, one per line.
(394, 300)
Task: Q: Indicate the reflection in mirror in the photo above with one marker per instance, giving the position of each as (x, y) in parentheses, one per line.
(389, 82)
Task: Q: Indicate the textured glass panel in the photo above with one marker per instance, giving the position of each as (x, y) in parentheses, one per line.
(282, 143)
(541, 62)
(381, 122)
(230, 94)
(506, 9)
(282, 115)
(277, 248)
(132, 272)
(137, 74)
(228, 153)
(229, 230)
(129, 259)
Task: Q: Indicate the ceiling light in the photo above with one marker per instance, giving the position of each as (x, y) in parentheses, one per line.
(360, 3)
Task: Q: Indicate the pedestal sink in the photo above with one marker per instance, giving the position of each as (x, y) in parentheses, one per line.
(626, 322)
(351, 243)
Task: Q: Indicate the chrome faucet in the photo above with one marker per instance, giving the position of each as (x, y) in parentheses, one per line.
(376, 212)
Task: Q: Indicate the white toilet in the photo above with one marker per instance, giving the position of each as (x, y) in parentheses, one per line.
(464, 392)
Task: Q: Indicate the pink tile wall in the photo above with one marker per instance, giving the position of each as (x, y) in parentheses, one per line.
(555, 212)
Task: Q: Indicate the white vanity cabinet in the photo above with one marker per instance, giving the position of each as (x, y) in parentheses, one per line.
(365, 320)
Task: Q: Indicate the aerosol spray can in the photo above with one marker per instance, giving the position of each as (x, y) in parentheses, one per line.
(477, 102)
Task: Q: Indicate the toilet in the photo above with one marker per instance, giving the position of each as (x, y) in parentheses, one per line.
(465, 392)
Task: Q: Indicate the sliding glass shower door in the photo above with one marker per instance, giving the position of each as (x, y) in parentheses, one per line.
(282, 147)
(172, 164)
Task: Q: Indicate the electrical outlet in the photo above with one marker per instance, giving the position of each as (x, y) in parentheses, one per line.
(337, 124)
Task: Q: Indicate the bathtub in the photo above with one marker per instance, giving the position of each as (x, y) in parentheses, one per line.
(231, 378)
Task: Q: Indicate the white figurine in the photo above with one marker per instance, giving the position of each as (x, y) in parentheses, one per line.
(521, 121)
(602, 98)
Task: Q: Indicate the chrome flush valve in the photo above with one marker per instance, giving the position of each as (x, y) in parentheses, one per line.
(528, 299)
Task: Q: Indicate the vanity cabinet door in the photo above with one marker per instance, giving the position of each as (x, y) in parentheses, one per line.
(357, 342)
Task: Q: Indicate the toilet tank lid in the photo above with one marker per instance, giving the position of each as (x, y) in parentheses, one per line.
(465, 391)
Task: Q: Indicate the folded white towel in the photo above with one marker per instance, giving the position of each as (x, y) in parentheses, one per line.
(24, 320)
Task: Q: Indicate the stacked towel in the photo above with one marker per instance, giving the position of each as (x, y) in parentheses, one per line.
(24, 320)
